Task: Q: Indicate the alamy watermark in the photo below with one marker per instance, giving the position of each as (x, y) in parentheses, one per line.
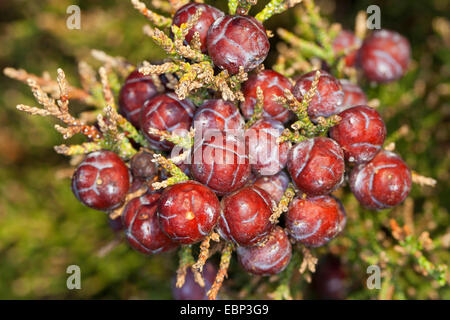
(74, 280)
(373, 17)
(73, 22)
(373, 21)
(374, 280)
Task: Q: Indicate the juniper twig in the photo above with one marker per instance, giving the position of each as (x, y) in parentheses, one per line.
(222, 273)
(258, 109)
(275, 7)
(48, 85)
(283, 205)
(186, 260)
(186, 142)
(83, 148)
(176, 174)
(422, 180)
(204, 251)
(118, 63)
(154, 18)
(59, 109)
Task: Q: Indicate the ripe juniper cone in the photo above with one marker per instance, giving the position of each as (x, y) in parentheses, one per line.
(274, 185)
(188, 211)
(237, 41)
(245, 216)
(328, 97)
(267, 156)
(101, 181)
(191, 290)
(221, 162)
(142, 166)
(272, 84)
(382, 183)
(269, 257)
(314, 221)
(344, 41)
(208, 16)
(316, 165)
(385, 56)
(217, 114)
(165, 112)
(360, 133)
(136, 90)
(353, 94)
(142, 229)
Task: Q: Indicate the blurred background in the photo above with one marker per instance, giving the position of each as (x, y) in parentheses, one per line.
(44, 229)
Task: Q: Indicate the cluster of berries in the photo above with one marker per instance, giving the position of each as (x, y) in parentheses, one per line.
(237, 187)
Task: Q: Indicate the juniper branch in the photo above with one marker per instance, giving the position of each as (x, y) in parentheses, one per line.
(222, 273)
(118, 63)
(186, 260)
(176, 174)
(83, 148)
(275, 7)
(422, 180)
(156, 19)
(59, 109)
(258, 109)
(283, 205)
(186, 142)
(47, 85)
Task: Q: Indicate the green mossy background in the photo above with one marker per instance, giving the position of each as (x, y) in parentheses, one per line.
(44, 229)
